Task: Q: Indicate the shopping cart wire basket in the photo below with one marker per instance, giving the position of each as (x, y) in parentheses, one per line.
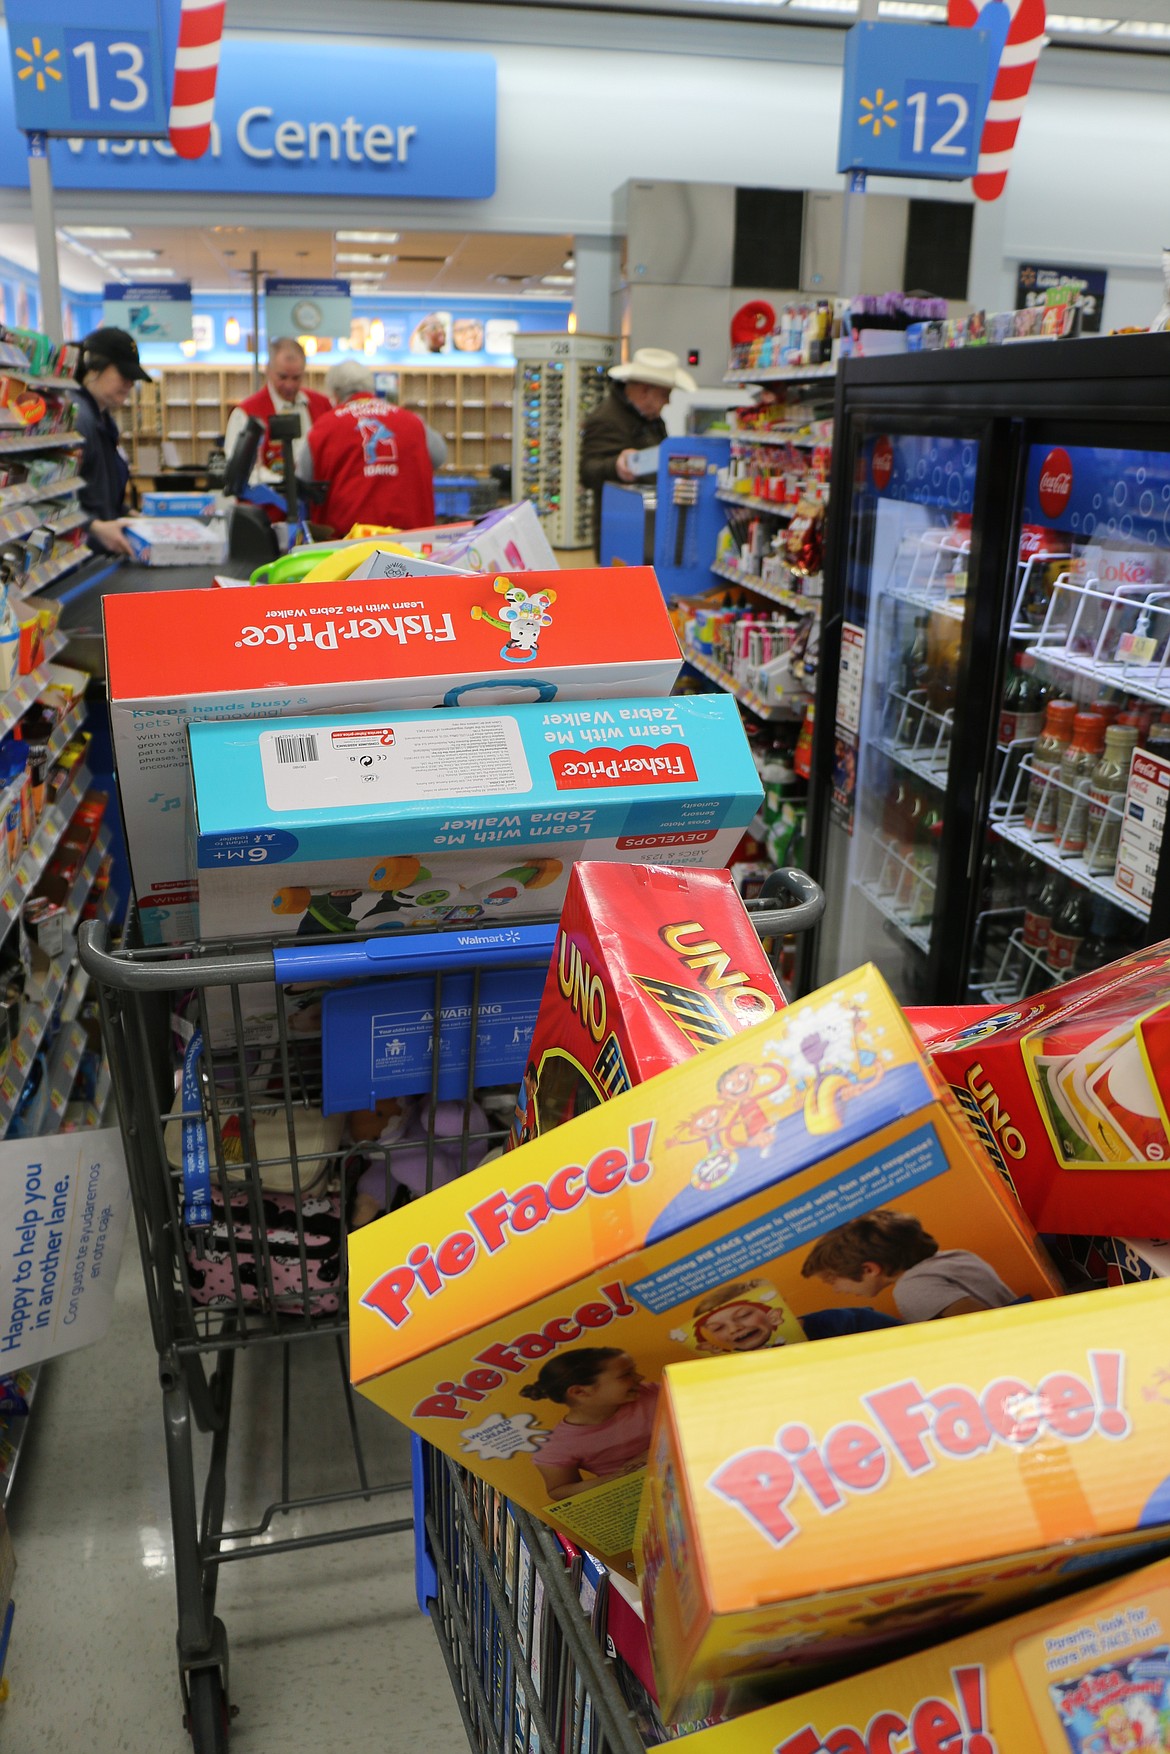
(242, 1189)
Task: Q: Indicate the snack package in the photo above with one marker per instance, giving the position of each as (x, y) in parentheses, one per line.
(425, 819)
(652, 963)
(349, 646)
(1088, 1674)
(520, 1318)
(822, 1504)
(1069, 1092)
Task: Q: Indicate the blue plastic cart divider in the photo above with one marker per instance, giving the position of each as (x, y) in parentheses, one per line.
(415, 953)
(426, 1578)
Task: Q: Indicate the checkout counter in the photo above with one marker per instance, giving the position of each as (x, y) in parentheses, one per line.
(671, 522)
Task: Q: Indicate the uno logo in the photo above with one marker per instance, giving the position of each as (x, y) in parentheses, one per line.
(1055, 483)
(882, 464)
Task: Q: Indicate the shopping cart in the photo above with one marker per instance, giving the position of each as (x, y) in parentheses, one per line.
(217, 1112)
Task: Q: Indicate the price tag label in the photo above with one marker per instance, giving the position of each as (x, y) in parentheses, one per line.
(1134, 648)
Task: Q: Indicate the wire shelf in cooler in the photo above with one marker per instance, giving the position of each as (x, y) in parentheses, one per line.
(954, 608)
(902, 891)
(931, 773)
(1022, 970)
(1022, 627)
(918, 935)
(1119, 637)
(1071, 866)
(920, 736)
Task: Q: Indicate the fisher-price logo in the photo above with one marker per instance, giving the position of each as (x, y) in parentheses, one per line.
(933, 1726)
(919, 1431)
(494, 1222)
(299, 634)
(577, 770)
(1055, 482)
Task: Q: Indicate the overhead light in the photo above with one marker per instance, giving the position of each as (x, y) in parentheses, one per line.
(367, 237)
(1142, 27)
(99, 231)
(130, 255)
(910, 9)
(568, 264)
(231, 331)
(844, 6)
(360, 256)
(366, 280)
(1071, 25)
(556, 280)
(154, 273)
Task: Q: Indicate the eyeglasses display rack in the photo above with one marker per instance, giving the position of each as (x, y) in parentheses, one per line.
(559, 380)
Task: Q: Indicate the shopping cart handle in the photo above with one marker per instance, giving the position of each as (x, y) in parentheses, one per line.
(414, 953)
(790, 901)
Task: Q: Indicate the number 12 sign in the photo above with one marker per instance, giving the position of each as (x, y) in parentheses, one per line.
(913, 99)
(71, 76)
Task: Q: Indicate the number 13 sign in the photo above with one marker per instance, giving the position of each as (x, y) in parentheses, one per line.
(914, 99)
(73, 77)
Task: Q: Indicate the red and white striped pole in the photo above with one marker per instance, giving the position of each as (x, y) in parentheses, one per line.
(1017, 63)
(196, 71)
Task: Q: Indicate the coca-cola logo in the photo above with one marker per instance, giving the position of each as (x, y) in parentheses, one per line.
(1055, 483)
(882, 465)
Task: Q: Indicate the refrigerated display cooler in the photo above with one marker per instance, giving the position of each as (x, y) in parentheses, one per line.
(992, 768)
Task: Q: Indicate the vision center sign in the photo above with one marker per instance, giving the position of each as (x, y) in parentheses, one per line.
(306, 117)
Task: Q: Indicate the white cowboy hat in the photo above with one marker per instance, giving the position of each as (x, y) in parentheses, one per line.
(653, 365)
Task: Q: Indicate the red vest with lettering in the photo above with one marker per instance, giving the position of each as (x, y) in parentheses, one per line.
(374, 457)
(262, 407)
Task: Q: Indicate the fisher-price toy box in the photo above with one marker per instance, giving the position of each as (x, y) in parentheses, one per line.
(651, 964)
(520, 1319)
(425, 819)
(1070, 1093)
(1088, 1674)
(813, 1507)
(352, 646)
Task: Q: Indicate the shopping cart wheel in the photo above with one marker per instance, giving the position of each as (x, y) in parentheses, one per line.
(207, 1712)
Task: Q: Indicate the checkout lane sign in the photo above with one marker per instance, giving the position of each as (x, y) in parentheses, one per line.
(914, 99)
(72, 76)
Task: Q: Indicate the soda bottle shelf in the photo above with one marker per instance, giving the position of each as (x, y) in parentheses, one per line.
(1022, 969)
(901, 891)
(1119, 638)
(917, 572)
(1022, 625)
(1007, 821)
(921, 737)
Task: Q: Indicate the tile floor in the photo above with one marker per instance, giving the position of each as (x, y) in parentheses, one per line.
(328, 1649)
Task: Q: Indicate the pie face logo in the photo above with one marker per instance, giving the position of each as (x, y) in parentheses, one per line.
(1055, 483)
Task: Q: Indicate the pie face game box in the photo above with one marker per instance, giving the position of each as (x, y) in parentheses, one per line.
(423, 819)
(1070, 1092)
(828, 1503)
(802, 1179)
(1089, 1674)
(351, 645)
(651, 964)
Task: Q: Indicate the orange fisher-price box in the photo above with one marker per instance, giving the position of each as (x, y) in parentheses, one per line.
(826, 1505)
(1070, 1092)
(804, 1178)
(652, 963)
(354, 645)
(1089, 1674)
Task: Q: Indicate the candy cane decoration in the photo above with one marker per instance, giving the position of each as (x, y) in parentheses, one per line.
(1017, 64)
(196, 71)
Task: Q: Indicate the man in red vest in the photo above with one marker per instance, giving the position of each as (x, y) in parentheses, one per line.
(373, 456)
(284, 392)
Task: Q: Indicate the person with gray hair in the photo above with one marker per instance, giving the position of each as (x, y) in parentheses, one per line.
(372, 456)
(351, 376)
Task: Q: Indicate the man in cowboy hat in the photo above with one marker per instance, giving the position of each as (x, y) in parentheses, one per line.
(629, 420)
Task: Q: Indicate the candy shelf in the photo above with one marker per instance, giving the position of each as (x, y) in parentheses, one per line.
(41, 848)
(11, 497)
(13, 1432)
(40, 441)
(774, 593)
(63, 1068)
(21, 695)
(800, 441)
(752, 504)
(762, 709)
(55, 568)
(52, 383)
(779, 374)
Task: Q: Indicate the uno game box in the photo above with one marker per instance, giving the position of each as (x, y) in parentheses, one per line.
(652, 963)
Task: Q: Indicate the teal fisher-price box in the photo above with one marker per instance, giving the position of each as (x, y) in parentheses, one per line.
(401, 819)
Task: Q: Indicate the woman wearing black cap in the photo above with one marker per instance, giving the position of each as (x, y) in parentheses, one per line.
(107, 371)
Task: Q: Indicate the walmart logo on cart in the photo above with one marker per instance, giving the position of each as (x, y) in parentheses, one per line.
(293, 119)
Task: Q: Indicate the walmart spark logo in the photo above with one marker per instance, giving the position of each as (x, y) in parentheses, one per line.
(39, 65)
(878, 112)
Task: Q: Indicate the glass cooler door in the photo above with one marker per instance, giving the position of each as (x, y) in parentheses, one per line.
(1082, 763)
(904, 657)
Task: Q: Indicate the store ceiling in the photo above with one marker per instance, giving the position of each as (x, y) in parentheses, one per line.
(1126, 24)
(219, 259)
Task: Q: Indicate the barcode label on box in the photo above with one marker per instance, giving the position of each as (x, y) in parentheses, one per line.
(295, 750)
